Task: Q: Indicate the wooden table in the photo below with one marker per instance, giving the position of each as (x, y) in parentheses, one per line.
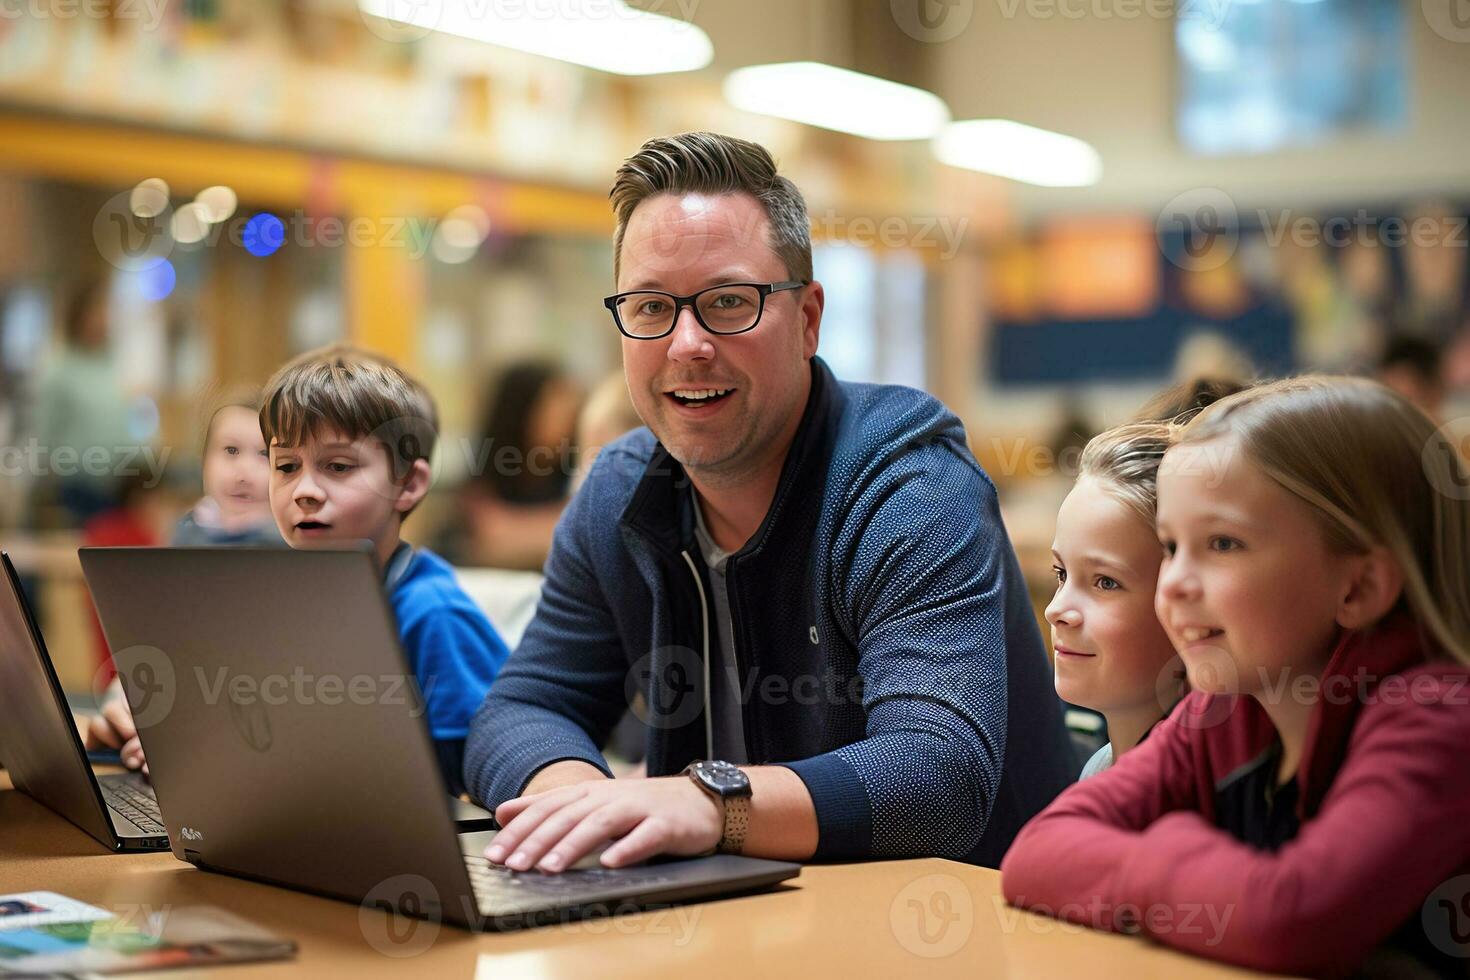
(886, 919)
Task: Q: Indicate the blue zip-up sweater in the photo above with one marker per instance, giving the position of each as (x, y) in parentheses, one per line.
(882, 628)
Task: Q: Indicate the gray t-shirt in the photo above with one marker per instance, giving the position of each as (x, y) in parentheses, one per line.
(728, 722)
(1101, 761)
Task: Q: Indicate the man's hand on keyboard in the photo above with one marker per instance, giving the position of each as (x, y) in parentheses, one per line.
(114, 728)
(643, 817)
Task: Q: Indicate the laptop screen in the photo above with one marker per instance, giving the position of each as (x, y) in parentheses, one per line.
(39, 743)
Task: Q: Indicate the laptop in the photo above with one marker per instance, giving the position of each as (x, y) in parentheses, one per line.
(40, 746)
(286, 738)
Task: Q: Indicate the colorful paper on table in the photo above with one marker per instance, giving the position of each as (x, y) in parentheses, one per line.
(27, 909)
(140, 938)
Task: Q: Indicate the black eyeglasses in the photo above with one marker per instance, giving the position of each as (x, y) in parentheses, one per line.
(731, 307)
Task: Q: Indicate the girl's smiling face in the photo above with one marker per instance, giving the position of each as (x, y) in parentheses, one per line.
(1249, 590)
(1111, 651)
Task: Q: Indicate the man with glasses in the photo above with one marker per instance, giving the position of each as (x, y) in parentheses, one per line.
(803, 585)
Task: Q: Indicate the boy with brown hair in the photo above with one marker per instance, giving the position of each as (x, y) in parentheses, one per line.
(350, 435)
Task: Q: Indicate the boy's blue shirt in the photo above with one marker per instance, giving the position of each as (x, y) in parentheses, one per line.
(451, 645)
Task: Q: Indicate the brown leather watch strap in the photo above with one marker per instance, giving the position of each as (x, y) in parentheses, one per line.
(737, 824)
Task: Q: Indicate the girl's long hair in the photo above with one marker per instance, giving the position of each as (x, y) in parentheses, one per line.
(1377, 473)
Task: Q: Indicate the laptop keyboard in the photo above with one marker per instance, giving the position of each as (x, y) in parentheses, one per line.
(134, 803)
(499, 890)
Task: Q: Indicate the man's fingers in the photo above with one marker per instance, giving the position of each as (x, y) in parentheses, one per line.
(519, 817)
(117, 714)
(510, 809)
(132, 753)
(100, 732)
(650, 837)
(597, 829)
(506, 812)
(551, 829)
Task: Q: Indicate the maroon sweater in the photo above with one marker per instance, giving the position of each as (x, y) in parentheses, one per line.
(1189, 838)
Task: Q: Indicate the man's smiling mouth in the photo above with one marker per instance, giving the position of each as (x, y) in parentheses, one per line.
(699, 396)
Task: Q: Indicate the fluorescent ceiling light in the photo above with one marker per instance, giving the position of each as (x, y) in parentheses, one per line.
(611, 36)
(835, 98)
(1020, 152)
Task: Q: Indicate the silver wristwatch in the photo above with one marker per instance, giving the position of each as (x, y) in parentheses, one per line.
(730, 787)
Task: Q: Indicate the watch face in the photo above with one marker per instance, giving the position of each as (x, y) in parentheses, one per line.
(722, 777)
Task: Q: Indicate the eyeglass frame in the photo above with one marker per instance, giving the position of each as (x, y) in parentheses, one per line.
(680, 302)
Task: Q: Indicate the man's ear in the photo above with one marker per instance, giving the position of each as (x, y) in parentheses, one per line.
(1373, 588)
(811, 315)
(414, 487)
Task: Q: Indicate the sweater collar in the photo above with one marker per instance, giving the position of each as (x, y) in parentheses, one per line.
(662, 508)
(1362, 660)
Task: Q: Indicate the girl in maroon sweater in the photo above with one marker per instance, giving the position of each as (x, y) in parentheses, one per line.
(1308, 804)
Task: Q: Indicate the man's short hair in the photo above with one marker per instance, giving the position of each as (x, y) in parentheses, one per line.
(709, 163)
(355, 393)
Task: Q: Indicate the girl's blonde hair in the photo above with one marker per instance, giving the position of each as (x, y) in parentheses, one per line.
(1377, 473)
(217, 400)
(1125, 459)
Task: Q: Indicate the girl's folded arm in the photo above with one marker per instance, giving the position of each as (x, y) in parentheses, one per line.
(1069, 860)
(1393, 827)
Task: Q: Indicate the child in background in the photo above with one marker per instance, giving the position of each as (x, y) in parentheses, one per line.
(1305, 806)
(350, 436)
(1110, 652)
(236, 508)
(606, 415)
(136, 521)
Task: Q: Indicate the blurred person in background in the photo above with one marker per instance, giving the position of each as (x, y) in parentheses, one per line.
(1456, 361)
(1411, 366)
(82, 412)
(608, 413)
(137, 520)
(1210, 354)
(235, 508)
(522, 470)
